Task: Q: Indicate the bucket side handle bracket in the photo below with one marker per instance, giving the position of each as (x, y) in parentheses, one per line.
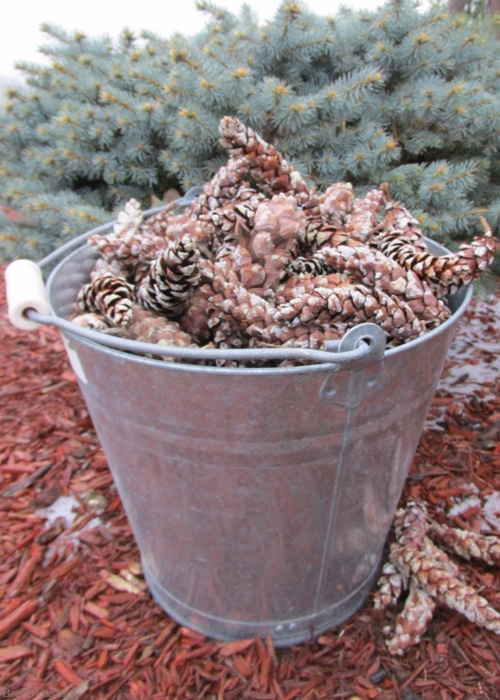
(368, 373)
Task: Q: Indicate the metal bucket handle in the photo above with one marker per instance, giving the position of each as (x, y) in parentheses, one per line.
(29, 308)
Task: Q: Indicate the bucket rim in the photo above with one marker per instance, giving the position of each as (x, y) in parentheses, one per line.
(460, 300)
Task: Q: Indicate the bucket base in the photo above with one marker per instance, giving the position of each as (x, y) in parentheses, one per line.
(284, 633)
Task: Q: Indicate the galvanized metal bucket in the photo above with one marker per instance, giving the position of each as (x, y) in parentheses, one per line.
(260, 499)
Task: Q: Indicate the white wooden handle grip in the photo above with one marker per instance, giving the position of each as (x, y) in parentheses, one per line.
(25, 290)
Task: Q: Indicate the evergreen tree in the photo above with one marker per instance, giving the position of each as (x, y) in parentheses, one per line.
(392, 95)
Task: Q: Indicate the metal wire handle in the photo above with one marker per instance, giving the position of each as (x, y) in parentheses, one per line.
(370, 338)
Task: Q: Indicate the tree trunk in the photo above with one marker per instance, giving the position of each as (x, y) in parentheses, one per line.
(492, 6)
(456, 5)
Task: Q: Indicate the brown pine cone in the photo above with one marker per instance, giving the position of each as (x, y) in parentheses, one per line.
(366, 265)
(335, 204)
(467, 544)
(130, 242)
(262, 245)
(398, 220)
(229, 305)
(446, 273)
(362, 222)
(267, 166)
(431, 576)
(148, 327)
(232, 222)
(274, 238)
(223, 188)
(316, 234)
(197, 319)
(412, 622)
(172, 278)
(109, 295)
(389, 587)
(92, 320)
(352, 304)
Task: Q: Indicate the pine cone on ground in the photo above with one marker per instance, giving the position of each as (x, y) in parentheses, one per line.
(418, 564)
(467, 544)
(172, 278)
(110, 295)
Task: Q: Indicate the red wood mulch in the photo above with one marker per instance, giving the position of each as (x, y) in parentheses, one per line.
(76, 619)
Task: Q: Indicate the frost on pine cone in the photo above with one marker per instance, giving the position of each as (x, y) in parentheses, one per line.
(110, 295)
(131, 243)
(260, 258)
(418, 564)
(171, 279)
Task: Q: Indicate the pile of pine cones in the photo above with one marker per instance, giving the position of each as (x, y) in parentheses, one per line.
(260, 259)
(419, 563)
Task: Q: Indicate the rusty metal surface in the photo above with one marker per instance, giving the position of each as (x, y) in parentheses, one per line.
(260, 499)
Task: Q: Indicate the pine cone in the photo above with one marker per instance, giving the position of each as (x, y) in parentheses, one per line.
(267, 166)
(398, 220)
(390, 587)
(412, 622)
(131, 242)
(172, 278)
(109, 295)
(224, 314)
(362, 222)
(274, 238)
(316, 234)
(361, 263)
(223, 188)
(222, 309)
(467, 544)
(148, 327)
(352, 304)
(197, 319)
(91, 320)
(447, 273)
(431, 576)
(335, 204)
(232, 222)
(238, 258)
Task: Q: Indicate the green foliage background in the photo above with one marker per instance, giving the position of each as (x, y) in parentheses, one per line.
(392, 95)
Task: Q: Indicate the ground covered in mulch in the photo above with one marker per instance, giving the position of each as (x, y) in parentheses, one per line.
(77, 621)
